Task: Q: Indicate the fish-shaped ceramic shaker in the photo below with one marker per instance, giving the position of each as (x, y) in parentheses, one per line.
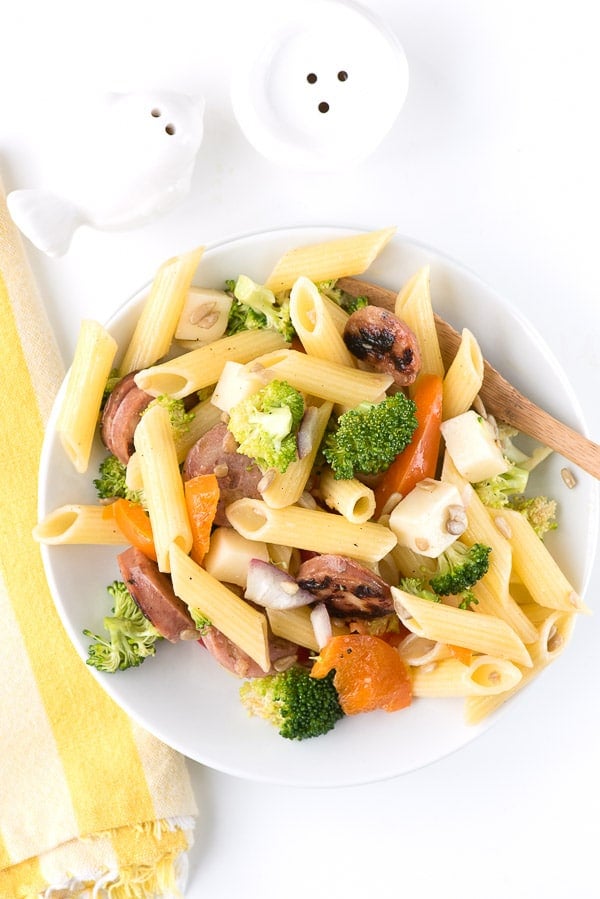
(137, 165)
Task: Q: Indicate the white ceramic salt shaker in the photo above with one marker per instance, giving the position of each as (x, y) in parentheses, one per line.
(135, 163)
(321, 89)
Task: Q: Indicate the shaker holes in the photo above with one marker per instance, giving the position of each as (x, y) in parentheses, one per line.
(312, 78)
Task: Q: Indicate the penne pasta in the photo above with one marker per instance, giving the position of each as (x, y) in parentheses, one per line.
(296, 626)
(202, 367)
(460, 627)
(413, 306)
(464, 377)
(315, 530)
(351, 498)
(240, 622)
(315, 326)
(485, 676)
(80, 406)
(163, 487)
(162, 310)
(78, 523)
(536, 567)
(327, 380)
(553, 636)
(332, 259)
(285, 489)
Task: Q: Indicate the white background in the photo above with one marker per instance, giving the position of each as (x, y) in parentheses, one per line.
(494, 160)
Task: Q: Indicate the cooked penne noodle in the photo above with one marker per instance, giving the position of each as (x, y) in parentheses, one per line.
(332, 259)
(315, 325)
(464, 377)
(351, 498)
(202, 367)
(485, 676)
(133, 473)
(554, 634)
(80, 406)
(413, 306)
(460, 627)
(285, 489)
(295, 625)
(79, 523)
(162, 310)
(240, 622)
(327, 380)
(322, 532)
(503, 607)
(163, 486)
(536, 567)
(229, 555)
(285, 557)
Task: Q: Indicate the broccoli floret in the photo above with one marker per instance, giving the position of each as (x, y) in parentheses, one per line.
(418, 587)
(497, 491)
(459, 568)
(111, 483)
(201, 621)
(179, 418)
(256, 307)
(368, 438)
(131, 637)
(347, 302)
(539, 511)
(111, 382)
(298, 705)
(265, 425)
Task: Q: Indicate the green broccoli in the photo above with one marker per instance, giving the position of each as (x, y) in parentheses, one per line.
(266, 423)
(111, 483)
(179, 418)
(201, 621)
(418, 587)
(131, 637)
(497, 491)
(345, 300)
(539, 511)
(256, 307)
(459, 568)
(111, 382)
(368, 438)
(298, 705)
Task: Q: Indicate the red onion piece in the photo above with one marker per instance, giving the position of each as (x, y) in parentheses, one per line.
(321, 622)
(273, 588)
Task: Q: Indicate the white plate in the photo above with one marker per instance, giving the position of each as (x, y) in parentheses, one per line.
(181, 695)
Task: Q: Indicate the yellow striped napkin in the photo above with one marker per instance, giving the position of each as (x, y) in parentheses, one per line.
(88, 800)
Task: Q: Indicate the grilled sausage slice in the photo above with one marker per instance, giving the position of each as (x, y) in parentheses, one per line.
(346, 587)
(121, 416)
(237, 474)
(152, 592)
(234, 659)
(384, 341)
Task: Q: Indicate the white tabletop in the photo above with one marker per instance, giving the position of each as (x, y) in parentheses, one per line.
(494, 159)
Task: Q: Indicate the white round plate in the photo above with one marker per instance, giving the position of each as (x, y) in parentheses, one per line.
(182, 695)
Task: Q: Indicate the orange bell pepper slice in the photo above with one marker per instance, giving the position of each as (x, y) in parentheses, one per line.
(419, 459)
(134, 523)
(201, 499)
(369, 673)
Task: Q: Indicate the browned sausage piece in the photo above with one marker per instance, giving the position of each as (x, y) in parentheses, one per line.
(121, 416)
(346, 587)
(234, 659)
(153, 593)
(237, 474)
(380, 338)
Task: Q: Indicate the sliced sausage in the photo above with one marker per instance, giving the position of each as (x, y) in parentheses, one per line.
(346, 587)
(121, 416)
(234, 659)
(380, 338)
(152, 592)
(237, 474)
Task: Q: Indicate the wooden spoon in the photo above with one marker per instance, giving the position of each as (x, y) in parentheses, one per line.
(498, 395)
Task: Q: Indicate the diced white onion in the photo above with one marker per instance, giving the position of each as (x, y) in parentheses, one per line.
(273, 588)
(321, 622)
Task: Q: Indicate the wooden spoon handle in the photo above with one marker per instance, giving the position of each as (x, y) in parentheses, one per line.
(499, 396)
